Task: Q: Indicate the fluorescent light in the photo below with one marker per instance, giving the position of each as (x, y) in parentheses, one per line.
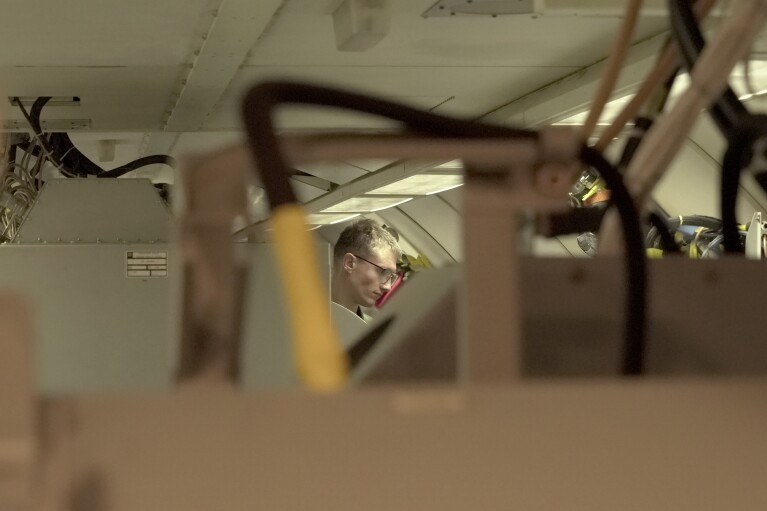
(757, 73)
(421, 184)
(750, 95)
(452, 164)
(366, 204)
(328, 218)
(610, 112)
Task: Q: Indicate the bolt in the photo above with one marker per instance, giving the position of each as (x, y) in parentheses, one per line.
(578, 275)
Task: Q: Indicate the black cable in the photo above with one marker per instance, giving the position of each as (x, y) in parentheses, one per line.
(141, 162)
(68, 157)
(728, 109)
(641, 125)
(262, 98)
(257, 112)
(709, 222)
(72, 158)
(737, 156)
(643, 122)
(668, 244)
(10, 157)
(33, 118)
(636, 301)
(576, 220)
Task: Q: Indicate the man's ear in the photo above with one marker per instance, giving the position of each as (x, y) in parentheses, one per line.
(348, 262)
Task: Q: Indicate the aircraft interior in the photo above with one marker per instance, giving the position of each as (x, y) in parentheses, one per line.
(577, 190)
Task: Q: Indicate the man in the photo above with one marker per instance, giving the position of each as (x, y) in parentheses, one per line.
(364, 265)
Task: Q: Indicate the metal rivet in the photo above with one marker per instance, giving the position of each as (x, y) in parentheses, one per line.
(578, 275)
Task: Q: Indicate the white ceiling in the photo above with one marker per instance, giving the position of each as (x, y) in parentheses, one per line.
(146, 66)
(167, 76)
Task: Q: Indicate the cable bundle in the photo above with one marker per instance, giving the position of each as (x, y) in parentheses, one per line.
(60, 150)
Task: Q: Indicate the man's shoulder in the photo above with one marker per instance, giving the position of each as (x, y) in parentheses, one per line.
(365, 317)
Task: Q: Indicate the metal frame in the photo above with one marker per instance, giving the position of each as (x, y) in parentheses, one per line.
(594, 445)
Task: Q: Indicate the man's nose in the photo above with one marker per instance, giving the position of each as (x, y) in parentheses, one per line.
(386, 286)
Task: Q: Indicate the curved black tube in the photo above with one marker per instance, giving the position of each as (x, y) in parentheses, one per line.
(708, 222)
(33, 118)
(163, 159)
(66, 156)
(738, 155)
(636, 301)
(261, 100)
(668, 244)
(728, 108)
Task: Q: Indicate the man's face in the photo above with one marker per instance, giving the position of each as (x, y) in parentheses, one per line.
(366, 278)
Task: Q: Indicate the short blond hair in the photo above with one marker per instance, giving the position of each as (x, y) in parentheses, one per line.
(362, 237)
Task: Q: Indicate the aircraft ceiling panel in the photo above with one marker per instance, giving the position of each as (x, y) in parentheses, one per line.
(301, 34)
(111, 98)
(707, 136)
(454, 198)
(441, 221)
(371, 165)
(204, 141)
(337, 172)
(136, 33)
(453, 90)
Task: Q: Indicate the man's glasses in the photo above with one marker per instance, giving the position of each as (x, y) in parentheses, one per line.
(384, 274)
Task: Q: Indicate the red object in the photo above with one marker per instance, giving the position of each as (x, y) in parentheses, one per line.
(379, 303)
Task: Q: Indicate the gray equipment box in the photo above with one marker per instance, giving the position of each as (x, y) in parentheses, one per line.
(89, 259)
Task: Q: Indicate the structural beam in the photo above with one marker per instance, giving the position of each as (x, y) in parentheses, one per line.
(236, 28)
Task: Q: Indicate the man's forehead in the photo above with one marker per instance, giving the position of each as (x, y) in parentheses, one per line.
(383, 253)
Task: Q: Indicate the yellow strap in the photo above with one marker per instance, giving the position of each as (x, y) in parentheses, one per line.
(597, 186)
(319, 358)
